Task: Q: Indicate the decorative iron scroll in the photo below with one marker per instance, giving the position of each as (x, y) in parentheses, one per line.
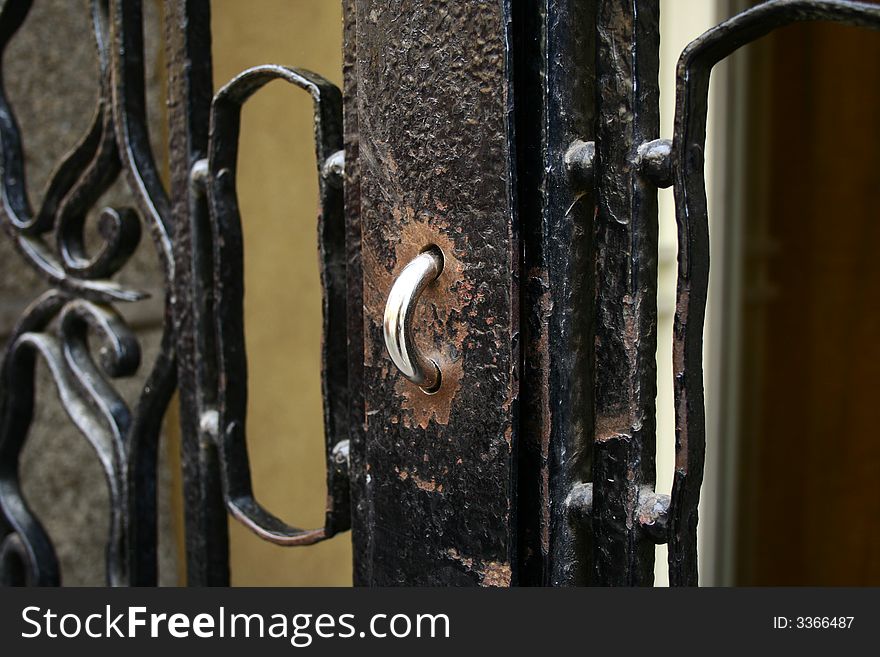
(80, 302)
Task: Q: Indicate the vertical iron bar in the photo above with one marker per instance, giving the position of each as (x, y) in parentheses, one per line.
(190, 86)
(555, 106)
(626, 295)
(355, 307)
(569, 211)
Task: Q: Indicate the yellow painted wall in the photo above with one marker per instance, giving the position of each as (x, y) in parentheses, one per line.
(277, 188)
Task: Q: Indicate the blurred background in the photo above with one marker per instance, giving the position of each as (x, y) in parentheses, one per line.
(791, 347)
(791, 329)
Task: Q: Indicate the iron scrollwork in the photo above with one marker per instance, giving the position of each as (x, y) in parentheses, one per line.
(81, 300)
(197, 233)
(82, 296)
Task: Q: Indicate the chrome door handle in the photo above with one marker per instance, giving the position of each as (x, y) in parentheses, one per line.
(399, 309)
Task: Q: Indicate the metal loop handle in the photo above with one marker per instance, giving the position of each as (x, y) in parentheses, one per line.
(224, 413)
(399, 309)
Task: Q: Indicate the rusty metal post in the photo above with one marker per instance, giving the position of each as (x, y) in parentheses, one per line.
(190, 89)
(555, 100)
(628, 43)
(435, 160)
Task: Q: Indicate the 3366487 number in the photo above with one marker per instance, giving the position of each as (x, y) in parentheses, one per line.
(813, 622)
(823, 622)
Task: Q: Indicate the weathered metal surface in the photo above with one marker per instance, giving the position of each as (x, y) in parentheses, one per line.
(190, 89)
(518, 138)
(554, 104)
(360, 517)
(433, 85)
(626, 290)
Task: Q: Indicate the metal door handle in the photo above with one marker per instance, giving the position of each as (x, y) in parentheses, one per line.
(399, 309)
(224, 417)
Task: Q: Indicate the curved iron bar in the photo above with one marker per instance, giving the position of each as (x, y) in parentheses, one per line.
(93, 405)
(139, 167)
(119, 228)
(130, 114)
(689, 141)
(95, 408)
(26, 553)
(226, 424)
(84, 174)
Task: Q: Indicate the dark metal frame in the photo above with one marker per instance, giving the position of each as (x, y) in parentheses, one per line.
(547, 308)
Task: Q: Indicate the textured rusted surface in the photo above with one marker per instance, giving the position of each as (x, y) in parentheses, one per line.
(434, 158)
(555, 101)
(360, 517)
(626, 290)
(534, 461)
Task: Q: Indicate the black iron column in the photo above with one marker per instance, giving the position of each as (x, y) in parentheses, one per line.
(628, 40)
(555, 99)
(434, 152)
(190, 89)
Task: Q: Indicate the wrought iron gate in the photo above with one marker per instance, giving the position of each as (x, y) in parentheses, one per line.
(488, 247)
